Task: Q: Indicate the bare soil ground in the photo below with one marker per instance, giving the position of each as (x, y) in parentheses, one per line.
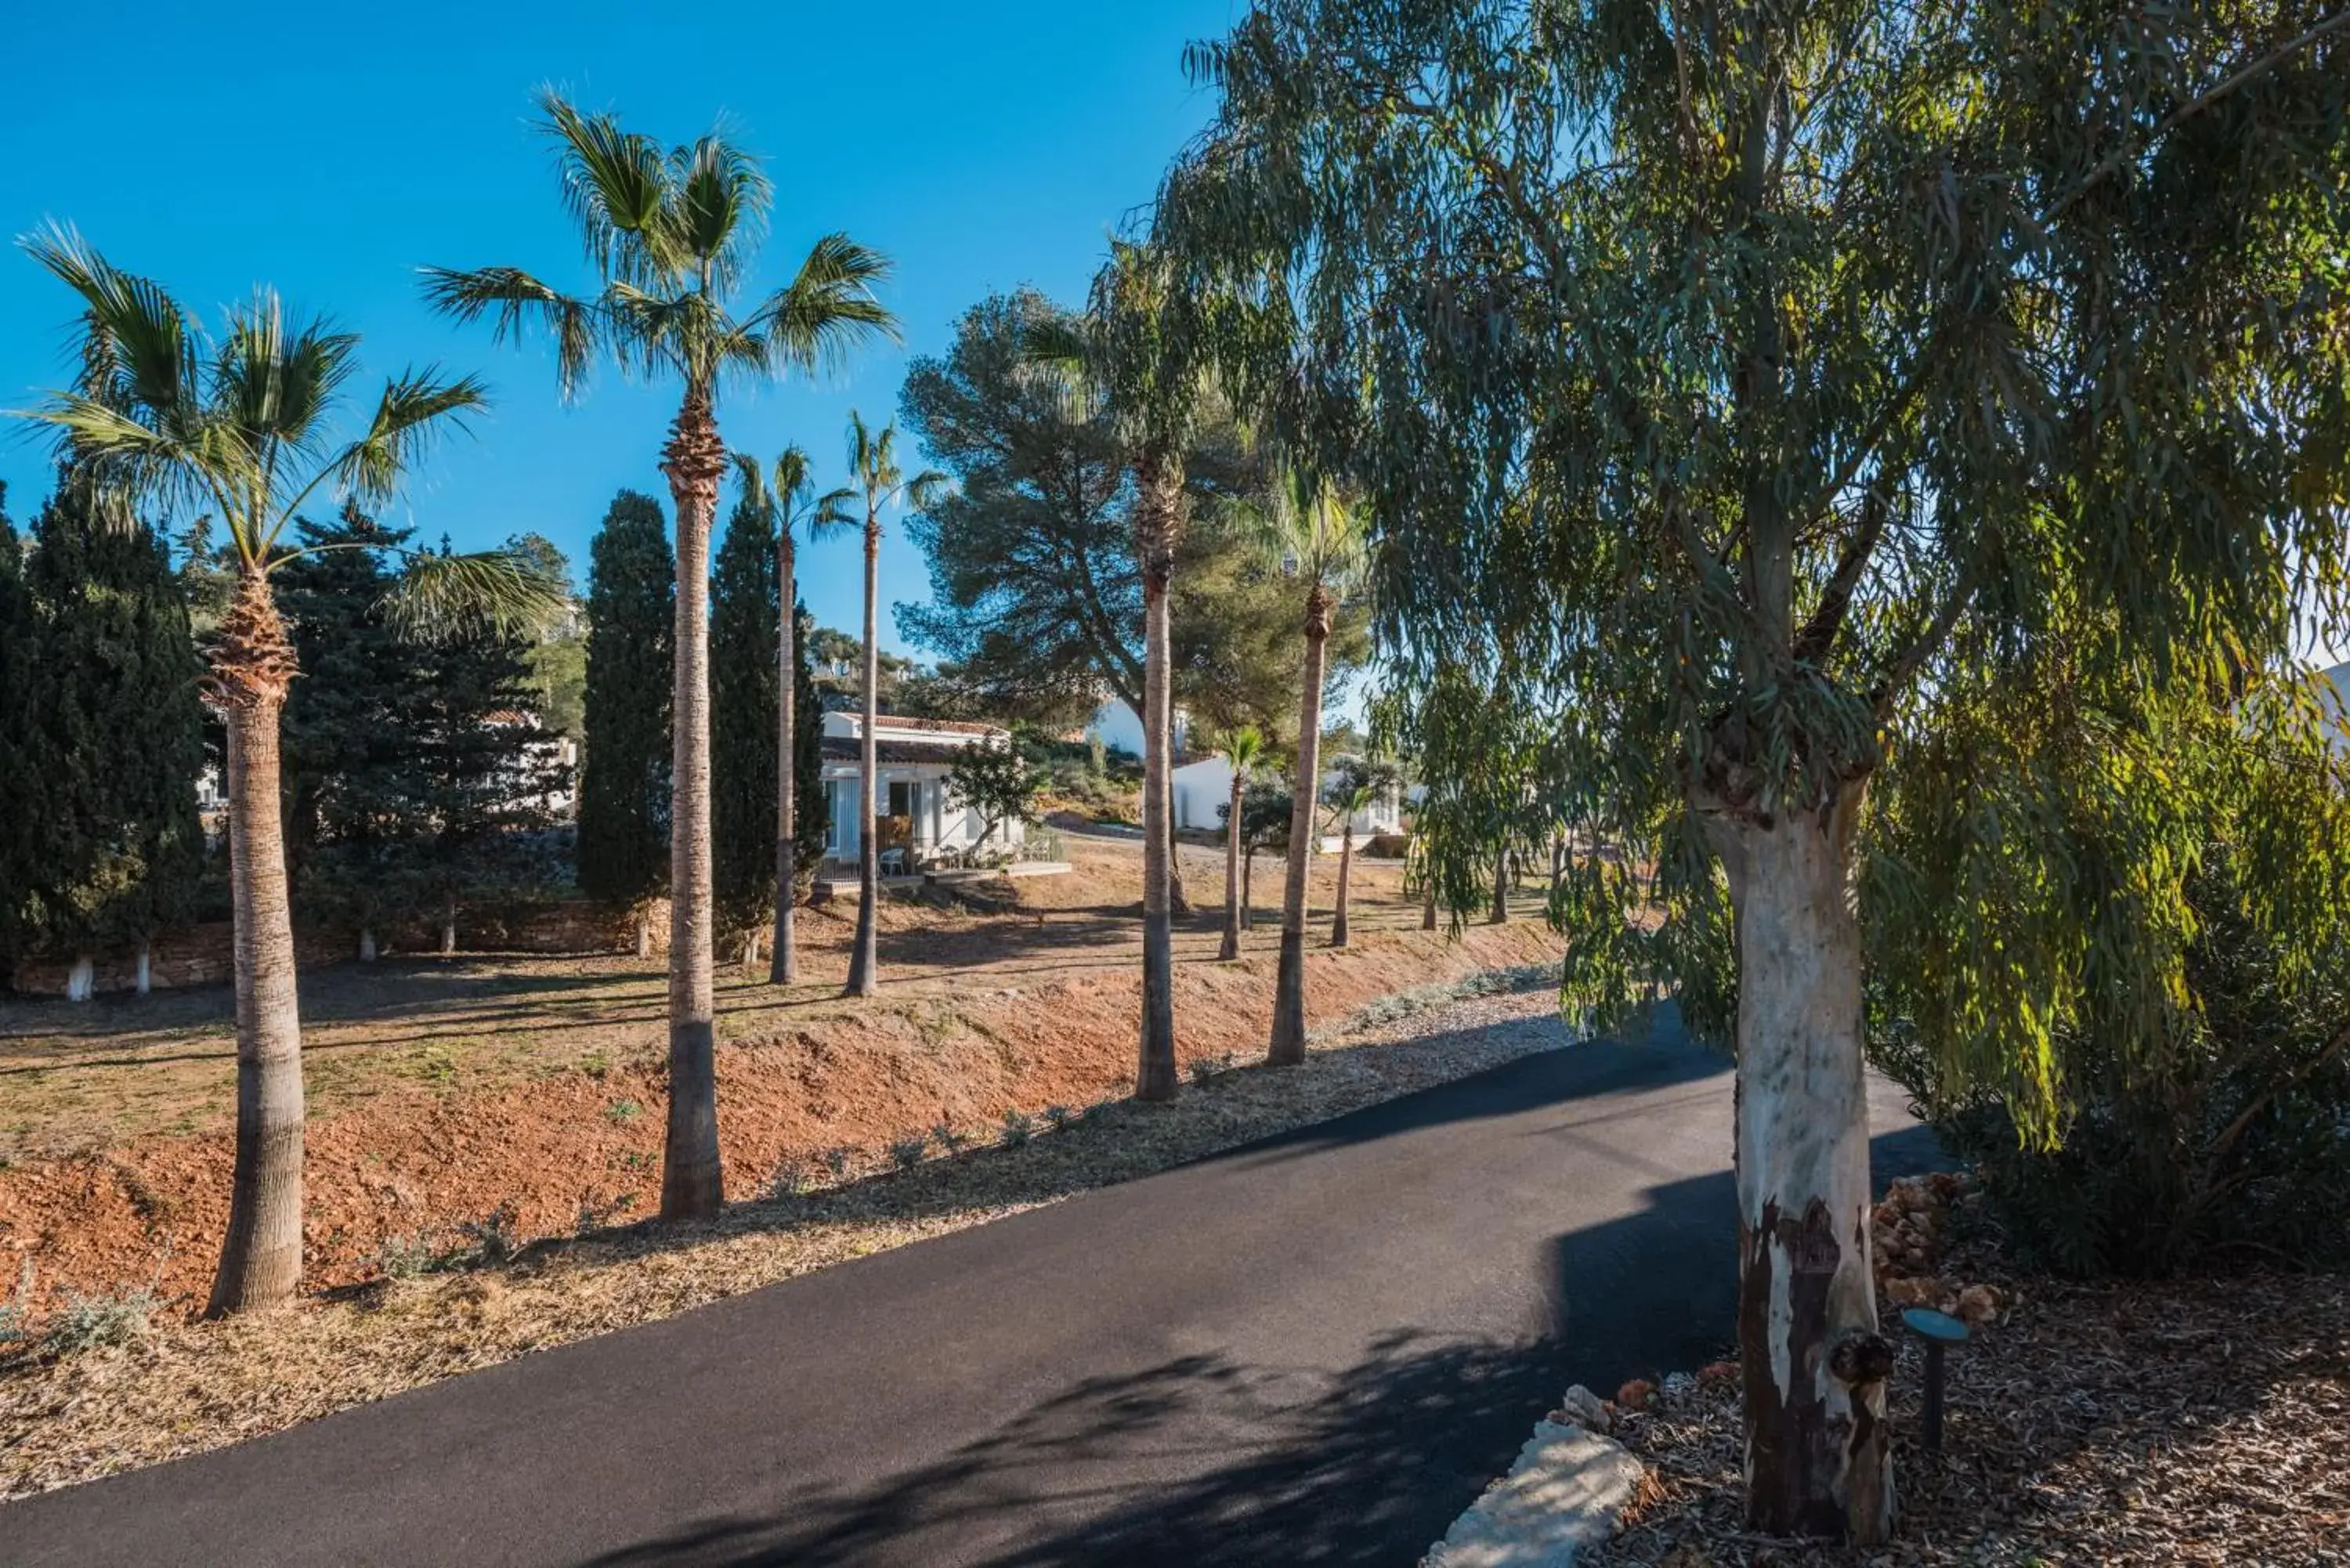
(443, 1093)
(169, 1388)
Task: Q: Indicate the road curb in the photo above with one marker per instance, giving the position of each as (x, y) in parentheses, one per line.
(1566, 1492)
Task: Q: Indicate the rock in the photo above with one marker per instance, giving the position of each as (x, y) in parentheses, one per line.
(1678, 1385)
(1911, 1292)
(1582, 1408)
(1714, 1373)
(1636, 1395)
(1564, 1493)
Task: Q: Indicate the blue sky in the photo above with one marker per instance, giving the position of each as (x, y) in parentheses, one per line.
(330, 150)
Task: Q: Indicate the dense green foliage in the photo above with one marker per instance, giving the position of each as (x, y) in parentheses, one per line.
(623, 847)
(999, 782)
(1035, 590)
(2175, 873)
(102, 735)
(745, 594)
(1711, 373)
(558, 651)
(410, 767)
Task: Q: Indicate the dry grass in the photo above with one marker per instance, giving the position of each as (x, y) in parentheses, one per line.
(177, 1390)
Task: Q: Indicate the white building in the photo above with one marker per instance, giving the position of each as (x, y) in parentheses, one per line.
(922, 821)
(2340, 676)
(1119, 728)
(1203, 791)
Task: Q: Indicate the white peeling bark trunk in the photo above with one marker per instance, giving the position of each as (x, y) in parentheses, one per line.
(81, 981)
(367, 945)
(1814, 1366)
(146, 966)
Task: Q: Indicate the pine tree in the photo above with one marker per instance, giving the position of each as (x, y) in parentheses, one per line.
(479, 770)
(623, 850)
(352, 818)
(112, 732)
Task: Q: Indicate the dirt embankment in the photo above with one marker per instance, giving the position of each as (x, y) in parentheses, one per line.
(408, 1169)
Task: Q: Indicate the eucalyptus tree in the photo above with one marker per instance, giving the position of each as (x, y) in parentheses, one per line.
(1314, 536)
(1243, 749)
(243, 426)
(1724, 364)
(672, 236)
(787, 495)
(1141, 352)
(879, 483)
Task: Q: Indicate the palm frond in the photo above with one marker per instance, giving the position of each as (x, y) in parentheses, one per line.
(142, 463)
(148, 347)
(926, 488)
(792, 477)
(717, 205)
(835, 511)
(274, 384)
(828, 308)
(438, 596)
(516, 303)
(616, 185)
(416, 406)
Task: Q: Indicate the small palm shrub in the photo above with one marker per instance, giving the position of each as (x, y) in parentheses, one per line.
(1018, 1127)
(948, 1139)
(835, 1163)
(907, 1152)
(407, 1255)
(494, 1237)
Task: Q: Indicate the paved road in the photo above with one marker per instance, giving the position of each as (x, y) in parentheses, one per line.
(1315, 1350)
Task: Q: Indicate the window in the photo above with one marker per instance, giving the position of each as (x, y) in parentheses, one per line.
(902, 796)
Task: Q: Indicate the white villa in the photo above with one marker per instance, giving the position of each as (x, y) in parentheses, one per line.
(920, 820)
(1119, 728)
(1204, 789)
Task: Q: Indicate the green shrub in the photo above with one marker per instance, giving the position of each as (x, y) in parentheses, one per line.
(87, 1323)
(1059, 1117)
(907, 1152)
(836, 1162)
(1018, 1127)
(407, 1255)
(493, 1236)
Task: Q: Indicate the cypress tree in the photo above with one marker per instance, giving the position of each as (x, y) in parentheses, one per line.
(811, 817)
(744, 598)
(623, 846)
(16, 778)
(111, 733)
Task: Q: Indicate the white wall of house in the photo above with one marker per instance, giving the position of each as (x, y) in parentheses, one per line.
(2340, 676)
(1119, 728)
(942, 824)
(1204, 789)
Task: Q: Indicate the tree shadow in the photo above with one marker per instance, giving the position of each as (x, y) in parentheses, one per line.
(1205, 1459)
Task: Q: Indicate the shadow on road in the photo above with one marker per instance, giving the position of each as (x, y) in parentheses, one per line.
(1203, 1461)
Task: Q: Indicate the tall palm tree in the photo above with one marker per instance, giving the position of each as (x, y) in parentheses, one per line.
(1349, 798)
(241, 427)
(879, 483)
(672, 236)
(789, 502)
(1243, 749)
(1142, 352)
(1311, 534)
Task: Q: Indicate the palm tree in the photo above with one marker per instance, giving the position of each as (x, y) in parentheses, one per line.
(1141, 351)
(1244, 748)
(241, 427)
(789, 502)
(1349, 797)
(672, 236)
(879, 483)
(1312, 536)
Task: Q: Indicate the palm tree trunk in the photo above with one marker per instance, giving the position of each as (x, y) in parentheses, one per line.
(1248, 874)
(1346, 876)
(1289, 986)
(1155, 1076)
(1428, 899)
(1501, 916)
(693, 1182)
(783, 961)
(865, 958)
(261, 1257)
(1231, 947)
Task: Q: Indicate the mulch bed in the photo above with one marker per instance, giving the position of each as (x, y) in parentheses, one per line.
(2197, 1421)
